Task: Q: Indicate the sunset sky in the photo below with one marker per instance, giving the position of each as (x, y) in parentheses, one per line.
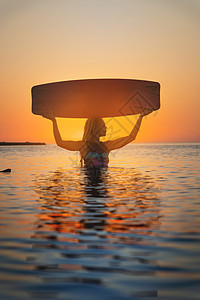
(56, 40)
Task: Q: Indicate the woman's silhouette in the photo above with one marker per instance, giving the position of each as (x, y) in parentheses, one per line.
(93, 152)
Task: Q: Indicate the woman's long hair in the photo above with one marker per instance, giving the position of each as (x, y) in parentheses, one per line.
(91, 130)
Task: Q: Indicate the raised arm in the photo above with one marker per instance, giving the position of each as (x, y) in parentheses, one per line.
(68, 145)
(123, 141)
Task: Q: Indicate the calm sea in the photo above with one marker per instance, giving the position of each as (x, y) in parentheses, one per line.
(129, 232)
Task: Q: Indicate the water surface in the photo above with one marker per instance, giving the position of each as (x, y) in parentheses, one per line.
(129, 232)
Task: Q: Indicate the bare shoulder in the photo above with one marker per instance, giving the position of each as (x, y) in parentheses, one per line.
(79, 144)
(106, 145)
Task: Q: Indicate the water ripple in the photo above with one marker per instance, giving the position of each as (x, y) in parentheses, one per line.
(122, 233)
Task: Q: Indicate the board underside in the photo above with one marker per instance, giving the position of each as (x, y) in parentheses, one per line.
(89, 98)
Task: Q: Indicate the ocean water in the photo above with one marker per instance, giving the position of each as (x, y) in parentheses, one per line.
(131, 231)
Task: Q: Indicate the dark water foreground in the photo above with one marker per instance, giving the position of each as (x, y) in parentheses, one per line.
(123, 233)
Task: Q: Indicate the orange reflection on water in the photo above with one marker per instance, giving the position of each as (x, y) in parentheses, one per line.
(78, 201)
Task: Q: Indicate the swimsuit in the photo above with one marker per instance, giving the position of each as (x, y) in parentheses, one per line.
(96, 158)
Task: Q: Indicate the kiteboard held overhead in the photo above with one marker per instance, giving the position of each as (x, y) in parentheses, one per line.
(87, 98)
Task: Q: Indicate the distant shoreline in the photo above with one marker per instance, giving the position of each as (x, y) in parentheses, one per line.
(19, 144)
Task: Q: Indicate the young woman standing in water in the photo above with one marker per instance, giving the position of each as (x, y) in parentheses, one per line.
(95, 153)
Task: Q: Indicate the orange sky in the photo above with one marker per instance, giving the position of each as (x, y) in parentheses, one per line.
(47, 41)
